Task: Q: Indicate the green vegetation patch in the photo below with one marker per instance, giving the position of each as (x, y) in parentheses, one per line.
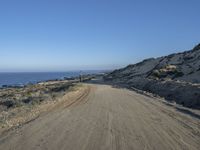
(169, 71)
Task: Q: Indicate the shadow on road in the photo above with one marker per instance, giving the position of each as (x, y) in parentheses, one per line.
(181, 109)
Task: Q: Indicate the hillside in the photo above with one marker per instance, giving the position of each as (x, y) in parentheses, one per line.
(175, 77)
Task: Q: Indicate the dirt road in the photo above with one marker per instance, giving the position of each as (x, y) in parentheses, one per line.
(108, 119)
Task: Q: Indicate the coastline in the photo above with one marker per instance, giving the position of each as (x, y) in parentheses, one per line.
(22, 79)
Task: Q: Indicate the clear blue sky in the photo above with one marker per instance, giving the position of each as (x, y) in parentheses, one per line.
(59, 35)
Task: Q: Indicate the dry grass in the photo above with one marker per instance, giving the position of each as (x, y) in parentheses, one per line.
(19, 105)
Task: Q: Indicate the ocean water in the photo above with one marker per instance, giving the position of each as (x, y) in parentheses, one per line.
(27, 77)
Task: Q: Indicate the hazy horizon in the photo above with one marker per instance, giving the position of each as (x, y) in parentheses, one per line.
(57, 35)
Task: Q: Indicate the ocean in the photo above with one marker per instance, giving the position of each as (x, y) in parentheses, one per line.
(18, 79)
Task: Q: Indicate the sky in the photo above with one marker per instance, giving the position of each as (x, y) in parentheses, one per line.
(62, 35)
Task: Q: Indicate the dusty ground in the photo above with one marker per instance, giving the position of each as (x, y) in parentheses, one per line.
(17, 115)
(108, 118)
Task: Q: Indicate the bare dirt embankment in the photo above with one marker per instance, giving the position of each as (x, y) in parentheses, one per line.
(108, 119)
(22, 105)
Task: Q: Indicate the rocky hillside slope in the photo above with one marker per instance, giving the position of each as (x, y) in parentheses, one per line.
(175, 77)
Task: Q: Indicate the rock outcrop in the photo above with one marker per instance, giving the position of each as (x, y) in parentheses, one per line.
(175, 77)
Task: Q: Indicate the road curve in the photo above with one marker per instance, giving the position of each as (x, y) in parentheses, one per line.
(108, 119)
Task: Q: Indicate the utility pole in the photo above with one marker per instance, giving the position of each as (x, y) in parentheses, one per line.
(80, 77)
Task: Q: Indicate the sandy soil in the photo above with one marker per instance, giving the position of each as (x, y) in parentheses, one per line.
(108, 119)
